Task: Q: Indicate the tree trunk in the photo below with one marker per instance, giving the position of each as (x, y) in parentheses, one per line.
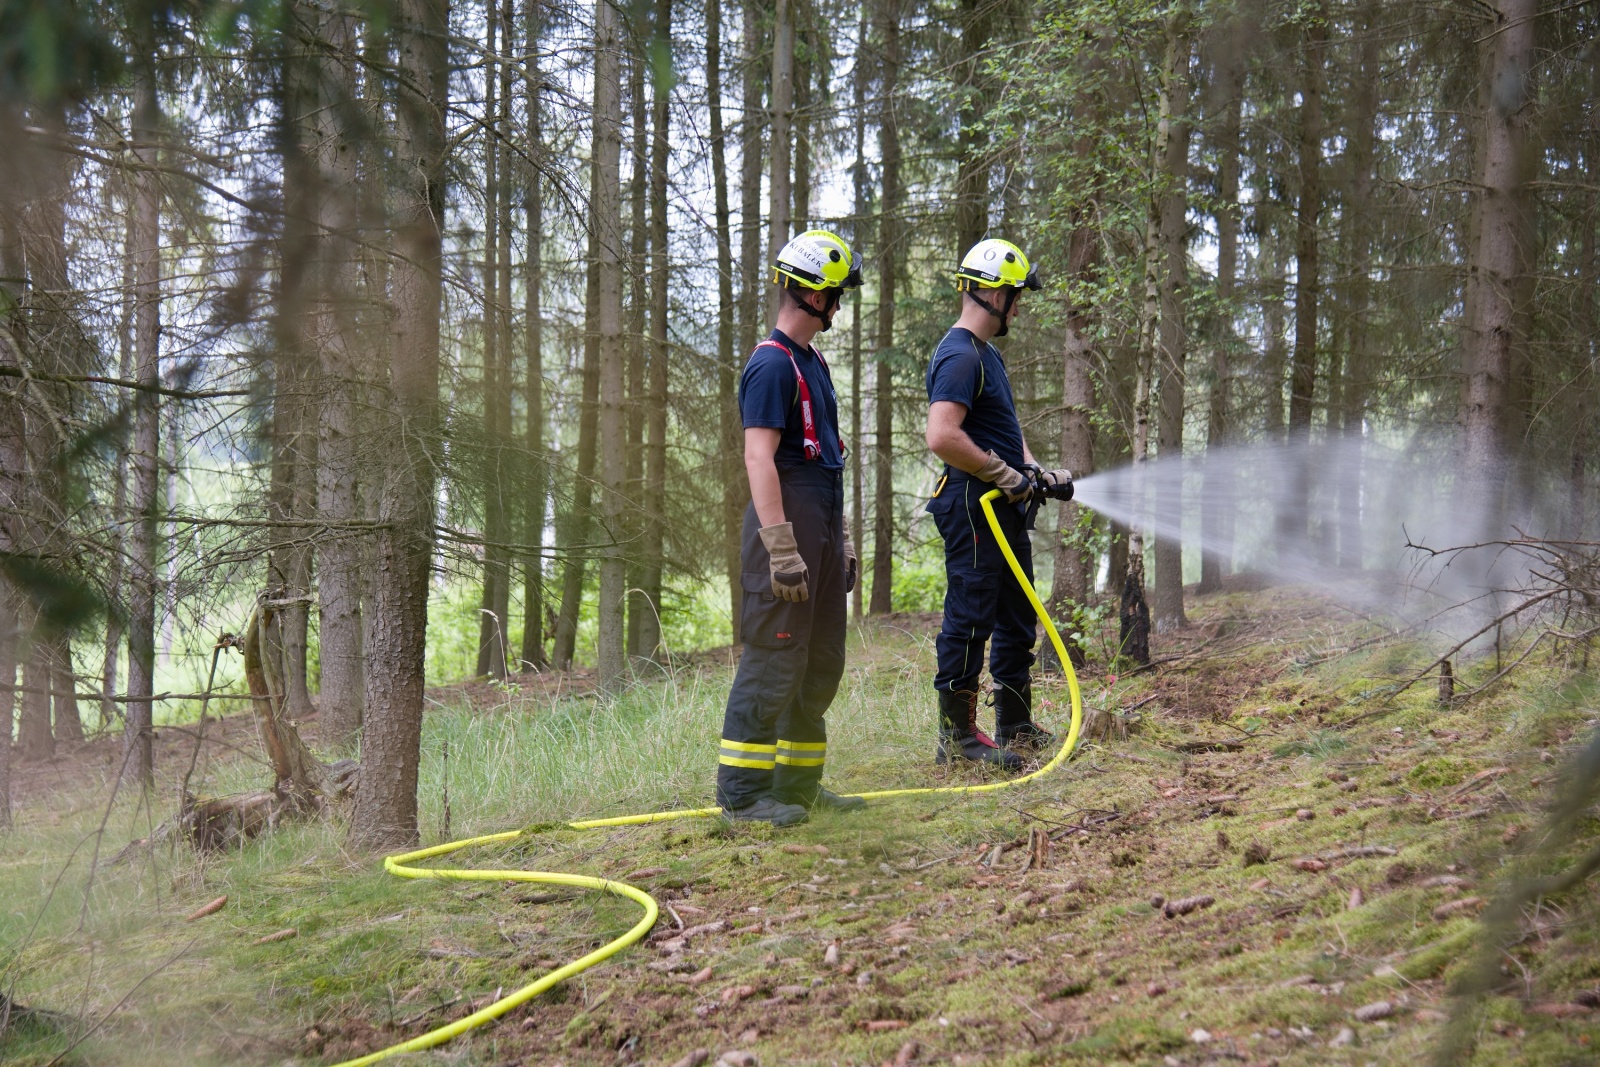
(858, 240)
(385, 814)
(804, 74)
(492, 621)
(1358, 220)
(1274, 282)
(340, 555)
(579, 522)
(1172, 185)
(1217, 491)
(972, 166)
(145, 250)
(297, 773)
(606, 208)
(64, 690)
(35, 740)
(782, 132)
(655, 486)
(637, 344)
(116, 570)
(1074, 564)
(1294, 523)
(533, 656)
(753, 275)
(889, 240)
(1499, 260)
(728, 467)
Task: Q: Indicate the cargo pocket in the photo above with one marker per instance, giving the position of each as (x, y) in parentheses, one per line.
(770, 622)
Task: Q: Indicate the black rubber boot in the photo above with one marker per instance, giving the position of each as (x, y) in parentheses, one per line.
(771, 811)
(1013, 719)
(828, 800)
(960, 738)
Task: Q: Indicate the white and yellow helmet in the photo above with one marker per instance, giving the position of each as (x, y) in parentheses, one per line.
(816, 260)
(993, 263)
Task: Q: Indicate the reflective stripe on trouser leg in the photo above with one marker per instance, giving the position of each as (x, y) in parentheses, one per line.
(802, 753)
(744, 754)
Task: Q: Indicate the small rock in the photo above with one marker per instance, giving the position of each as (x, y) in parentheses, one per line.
(1356, 899)
(1199, 1037)
(1255, 853)
(1430, 1015)
(1174, 908)
(1305, 815)
(864, 978)
(1274, 1032)
(749, 1036)
(793, 992)
(1546, 757)
(830, 957)
(1369, 1013)
(1156, 902)
(694, 1059)
(738, 1058)
(1154, 989)
(1343, 1038)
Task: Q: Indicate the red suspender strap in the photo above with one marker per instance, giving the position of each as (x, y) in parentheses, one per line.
(808, 422)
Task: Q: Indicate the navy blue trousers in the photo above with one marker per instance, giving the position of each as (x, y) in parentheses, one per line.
(983, 602)
(774, 736)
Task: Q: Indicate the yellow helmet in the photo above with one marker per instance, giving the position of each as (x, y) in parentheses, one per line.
(993, 263)
(817, 260)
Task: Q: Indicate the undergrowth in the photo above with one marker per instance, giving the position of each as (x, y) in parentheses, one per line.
(1313, 755)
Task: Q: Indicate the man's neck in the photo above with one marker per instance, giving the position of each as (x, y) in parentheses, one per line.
(977, 321)
(797, 325)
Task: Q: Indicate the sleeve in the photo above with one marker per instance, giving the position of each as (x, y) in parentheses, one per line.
(956, 375)
(765, 391)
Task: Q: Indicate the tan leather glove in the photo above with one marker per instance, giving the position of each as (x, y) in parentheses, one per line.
(852, 566)
(1056, 484)
(790, 579)
(1012, 483)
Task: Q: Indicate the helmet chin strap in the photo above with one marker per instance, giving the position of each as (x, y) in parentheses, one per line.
(826, 314)
(1002, 313)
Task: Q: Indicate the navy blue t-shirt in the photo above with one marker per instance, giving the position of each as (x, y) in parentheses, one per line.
(970, 372)
(770, 397)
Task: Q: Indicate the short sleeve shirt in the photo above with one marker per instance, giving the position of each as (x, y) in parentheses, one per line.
(769, 397)
(971, 373)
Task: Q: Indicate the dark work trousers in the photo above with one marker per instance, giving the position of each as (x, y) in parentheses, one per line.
(774, 739)
(982, 597)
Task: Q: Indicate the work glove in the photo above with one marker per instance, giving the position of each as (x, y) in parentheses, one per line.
(1012, 483)
(1056, 484)
(790, 579)
(852, 565)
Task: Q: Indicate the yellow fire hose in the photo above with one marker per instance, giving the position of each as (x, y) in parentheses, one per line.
(402, 865)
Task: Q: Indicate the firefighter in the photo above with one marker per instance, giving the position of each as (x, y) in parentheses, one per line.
(973, 428)
(797, 562)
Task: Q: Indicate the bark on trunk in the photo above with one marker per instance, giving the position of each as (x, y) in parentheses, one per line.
(1499, 260)
(637, 346)
(728, 467)
(1294, 523)
(64, 690)
(1172, 349)
(606, 205)
(492, 621)
(883, 533)
(533, 655)
(655, 488)
(35, 740)
(972, 166)
(1074, 563)
(1217, 491)
(8, 692)
(297, 773)
(579, 522)
(342, 384)
(145, 233)
(858, 239)
(782, 118)
(385, 814)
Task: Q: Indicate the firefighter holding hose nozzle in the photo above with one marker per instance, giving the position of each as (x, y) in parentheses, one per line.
(973, 428)
(797, 562)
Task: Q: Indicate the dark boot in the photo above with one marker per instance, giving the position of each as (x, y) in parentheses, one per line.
(828, 800)
(960, 738)
(769, 810)
(1013, 719)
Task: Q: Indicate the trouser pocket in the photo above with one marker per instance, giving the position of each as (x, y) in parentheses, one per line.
(770, 621)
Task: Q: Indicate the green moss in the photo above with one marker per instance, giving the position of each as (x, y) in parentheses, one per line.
(1125, 1039)
(1440, 772)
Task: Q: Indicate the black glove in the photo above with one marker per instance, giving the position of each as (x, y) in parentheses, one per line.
(1056, 484)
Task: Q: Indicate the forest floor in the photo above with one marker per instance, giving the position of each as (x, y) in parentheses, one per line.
(1324, 840)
